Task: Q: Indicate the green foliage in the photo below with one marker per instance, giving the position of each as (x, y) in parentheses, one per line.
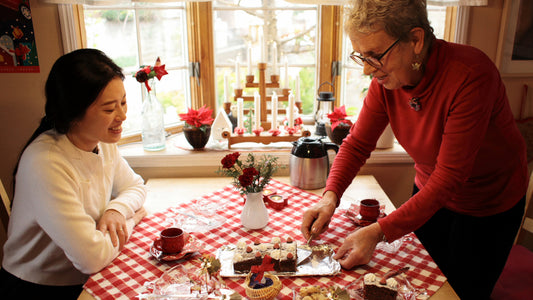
(307, 89)
(126, 61)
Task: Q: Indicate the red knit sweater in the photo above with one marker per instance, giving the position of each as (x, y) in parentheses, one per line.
(469, 155)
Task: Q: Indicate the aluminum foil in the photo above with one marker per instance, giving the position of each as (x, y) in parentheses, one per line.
(317, 261)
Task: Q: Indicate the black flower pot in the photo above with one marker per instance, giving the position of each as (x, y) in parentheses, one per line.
(339, 133)
(197, 137)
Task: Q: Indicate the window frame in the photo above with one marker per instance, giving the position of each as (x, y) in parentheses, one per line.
(200, 35)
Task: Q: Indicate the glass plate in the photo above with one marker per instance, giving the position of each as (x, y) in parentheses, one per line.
(184, 283)
(405, 290)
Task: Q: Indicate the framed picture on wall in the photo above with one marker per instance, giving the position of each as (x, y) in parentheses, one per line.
(515, 47)
(18, 50)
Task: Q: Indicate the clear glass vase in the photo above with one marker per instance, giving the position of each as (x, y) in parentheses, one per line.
(153, 126)
(254, 213)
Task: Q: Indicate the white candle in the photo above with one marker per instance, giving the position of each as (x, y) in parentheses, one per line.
(290, 110)
(257, 104)
(226, 87)
(237, 74)
(262, 45)
(297, 88)
(249, 59)
(240, 113)
(274, 58)
(274, 111)
(286, 85)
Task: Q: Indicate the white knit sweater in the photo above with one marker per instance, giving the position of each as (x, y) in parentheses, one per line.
(61, 192)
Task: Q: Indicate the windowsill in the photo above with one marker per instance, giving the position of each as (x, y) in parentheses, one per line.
(179, 154)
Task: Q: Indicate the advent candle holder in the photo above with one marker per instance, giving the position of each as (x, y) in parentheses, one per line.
(264, 137)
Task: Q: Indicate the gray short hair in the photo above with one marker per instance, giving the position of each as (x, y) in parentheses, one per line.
(396, 17)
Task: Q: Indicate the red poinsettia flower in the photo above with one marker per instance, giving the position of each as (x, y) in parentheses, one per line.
(338, 116)
(159, 69)
(198, 118)
(149, 72)
(229, 160)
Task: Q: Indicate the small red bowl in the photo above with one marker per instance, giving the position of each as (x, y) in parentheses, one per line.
(277, 201)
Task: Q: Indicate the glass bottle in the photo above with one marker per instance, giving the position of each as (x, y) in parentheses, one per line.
(153, 128)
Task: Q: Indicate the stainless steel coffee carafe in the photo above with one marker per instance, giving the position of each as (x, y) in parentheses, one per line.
(309, 162)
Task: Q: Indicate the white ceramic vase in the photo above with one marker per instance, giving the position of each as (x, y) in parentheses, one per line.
(254, 213)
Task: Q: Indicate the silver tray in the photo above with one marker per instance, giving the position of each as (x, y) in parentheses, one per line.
(314, 265)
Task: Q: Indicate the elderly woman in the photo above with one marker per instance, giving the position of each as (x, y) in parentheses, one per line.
(448, 109)
(76, 200)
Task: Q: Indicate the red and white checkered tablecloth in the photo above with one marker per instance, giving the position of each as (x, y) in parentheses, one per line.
(125, 277)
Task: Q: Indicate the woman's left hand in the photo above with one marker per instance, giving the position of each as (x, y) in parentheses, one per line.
(115, 223)
(359, 246)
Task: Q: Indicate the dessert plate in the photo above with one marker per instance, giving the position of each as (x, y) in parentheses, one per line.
(405, 290)
(192, 245)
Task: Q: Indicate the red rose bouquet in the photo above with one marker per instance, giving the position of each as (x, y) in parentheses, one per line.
(339, 117)
(249, 176)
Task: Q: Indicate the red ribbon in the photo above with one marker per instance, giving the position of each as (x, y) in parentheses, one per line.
(265, 266)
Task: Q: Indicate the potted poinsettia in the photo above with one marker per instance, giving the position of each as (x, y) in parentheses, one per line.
(340, 125)
(197, 126)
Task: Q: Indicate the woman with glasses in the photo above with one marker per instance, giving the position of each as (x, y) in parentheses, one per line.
(448, 108)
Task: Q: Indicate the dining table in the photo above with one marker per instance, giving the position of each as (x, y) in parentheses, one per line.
(171, 200)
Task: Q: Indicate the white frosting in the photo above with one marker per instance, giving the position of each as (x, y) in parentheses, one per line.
(263, 247)
(241, 244)
(276, 240)
(371, 279)
(237, 257)
(276, 254)
(392, 283)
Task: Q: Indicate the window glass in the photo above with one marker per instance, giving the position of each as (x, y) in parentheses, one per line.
(355, 83)
(137, 34)
(239, 25)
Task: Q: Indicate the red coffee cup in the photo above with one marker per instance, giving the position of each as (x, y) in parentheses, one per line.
(171, 240)
(369, 209)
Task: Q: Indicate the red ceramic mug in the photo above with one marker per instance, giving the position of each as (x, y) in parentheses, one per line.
(171, 240)
(369, 209)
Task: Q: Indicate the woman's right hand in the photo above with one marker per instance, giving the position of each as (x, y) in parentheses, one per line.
(316, 219)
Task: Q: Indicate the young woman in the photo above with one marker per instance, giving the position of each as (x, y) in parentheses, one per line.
(447, 106)
(76, 200)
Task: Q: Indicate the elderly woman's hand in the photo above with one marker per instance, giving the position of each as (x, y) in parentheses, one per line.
(317, 218)
(359, 246)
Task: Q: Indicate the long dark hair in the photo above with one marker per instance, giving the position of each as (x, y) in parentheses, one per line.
(75, 81)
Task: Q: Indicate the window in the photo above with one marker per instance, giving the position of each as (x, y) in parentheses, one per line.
(137, 34)
(264, 26)
(310, 37)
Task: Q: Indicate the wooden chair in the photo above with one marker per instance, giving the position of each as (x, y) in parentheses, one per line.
(516, 280)
(6, 205)
(5, 213)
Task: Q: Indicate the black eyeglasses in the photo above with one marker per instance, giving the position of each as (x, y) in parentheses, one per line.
(375, 62)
